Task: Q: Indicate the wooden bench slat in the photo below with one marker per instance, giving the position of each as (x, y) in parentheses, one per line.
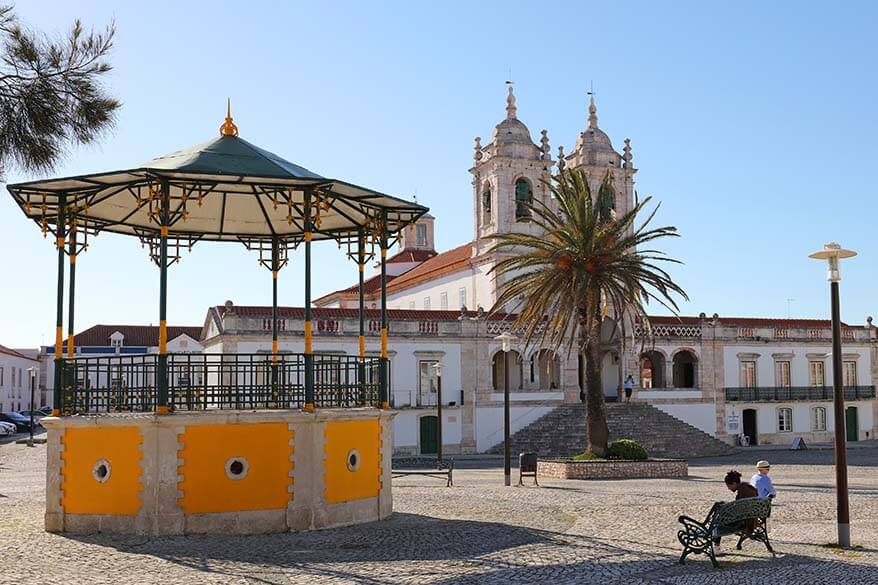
(423, 466)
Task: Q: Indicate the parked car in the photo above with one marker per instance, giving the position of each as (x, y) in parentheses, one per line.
(38, 414)
(7, 428)
(46, 410)
(22, 423)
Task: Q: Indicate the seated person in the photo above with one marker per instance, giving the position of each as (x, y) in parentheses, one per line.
(742, 490)
(762, 482)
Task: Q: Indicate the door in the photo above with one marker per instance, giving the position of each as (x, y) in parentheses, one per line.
(429, 437)
(853, 430)
(749, 420)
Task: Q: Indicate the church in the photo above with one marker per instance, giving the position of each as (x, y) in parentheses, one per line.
(736, 380)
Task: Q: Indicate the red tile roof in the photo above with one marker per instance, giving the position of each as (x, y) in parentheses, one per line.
(432, 266)
(441, 264)
(146, 335)
(370, 285)
(411, 256)
(13, 353)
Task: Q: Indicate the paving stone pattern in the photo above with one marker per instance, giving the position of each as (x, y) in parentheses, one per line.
(567, 531)
(563, 432)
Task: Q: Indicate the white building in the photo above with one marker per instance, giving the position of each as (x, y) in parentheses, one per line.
(118, 340)
(15, 394)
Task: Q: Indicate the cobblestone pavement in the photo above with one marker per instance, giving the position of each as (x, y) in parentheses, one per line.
(478, 532)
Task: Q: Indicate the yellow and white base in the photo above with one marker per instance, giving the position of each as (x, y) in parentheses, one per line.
(244, 472)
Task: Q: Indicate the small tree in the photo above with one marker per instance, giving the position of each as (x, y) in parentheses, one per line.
(587, 263)
(50, 92)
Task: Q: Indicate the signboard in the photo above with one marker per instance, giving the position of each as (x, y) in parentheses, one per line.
(733, 423)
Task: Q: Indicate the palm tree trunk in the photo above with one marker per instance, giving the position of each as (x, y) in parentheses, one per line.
(596, 412)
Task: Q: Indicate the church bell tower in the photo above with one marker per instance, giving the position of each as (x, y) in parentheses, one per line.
(508, 174)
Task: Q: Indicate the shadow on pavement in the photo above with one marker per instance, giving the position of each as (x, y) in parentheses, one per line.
(403, 537)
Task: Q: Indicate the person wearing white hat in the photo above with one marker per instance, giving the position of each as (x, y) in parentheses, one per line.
(762, 482)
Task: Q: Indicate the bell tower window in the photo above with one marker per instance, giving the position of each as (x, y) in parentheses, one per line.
(523, 200)
(421, 235)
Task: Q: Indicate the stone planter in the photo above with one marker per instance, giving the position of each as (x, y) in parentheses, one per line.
(612, 469)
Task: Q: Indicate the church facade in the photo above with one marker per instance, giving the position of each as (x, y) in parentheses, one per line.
(768, 380)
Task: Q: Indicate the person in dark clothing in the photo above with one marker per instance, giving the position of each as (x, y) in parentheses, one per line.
(742, 489)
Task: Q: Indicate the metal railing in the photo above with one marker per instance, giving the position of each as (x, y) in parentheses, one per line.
(794, 393)
(202, 381)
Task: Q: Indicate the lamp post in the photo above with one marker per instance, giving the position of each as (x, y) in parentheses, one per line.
(832, 253)
(506, 339)
(33, 377)
(438, 367)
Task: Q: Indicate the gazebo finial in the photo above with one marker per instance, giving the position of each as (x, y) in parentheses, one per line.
(228, 128)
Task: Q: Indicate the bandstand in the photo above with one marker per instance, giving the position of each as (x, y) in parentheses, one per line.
(177, 443)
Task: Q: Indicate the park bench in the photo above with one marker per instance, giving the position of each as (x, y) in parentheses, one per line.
(426, 466)
(725, 518)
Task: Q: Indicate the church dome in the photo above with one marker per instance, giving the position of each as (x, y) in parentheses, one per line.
(511, 130)
(594, 139)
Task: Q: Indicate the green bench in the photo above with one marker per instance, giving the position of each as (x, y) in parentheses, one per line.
(725, 518)
(428, 466)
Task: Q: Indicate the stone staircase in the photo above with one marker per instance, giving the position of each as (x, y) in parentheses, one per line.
(562, 432)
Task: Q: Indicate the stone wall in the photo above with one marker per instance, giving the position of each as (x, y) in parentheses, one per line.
(566, 469)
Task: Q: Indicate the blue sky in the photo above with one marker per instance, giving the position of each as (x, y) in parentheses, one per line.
(752, 122)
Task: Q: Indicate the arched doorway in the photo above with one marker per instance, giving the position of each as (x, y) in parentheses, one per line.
(684, 369)
(516, 368)
(429, 426)
(610, 375)
(852, 425)
(652, 370)
(749, 425)
(549, 369)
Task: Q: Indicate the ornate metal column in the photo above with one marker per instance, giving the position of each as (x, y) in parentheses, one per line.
(71, 253)
(59, 306)
(162, 369)
(382, 366)
(361, 266)
(309, 357)
(274, 346)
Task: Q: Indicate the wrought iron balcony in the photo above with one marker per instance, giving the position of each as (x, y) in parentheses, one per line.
(795, 393)
(127, 383)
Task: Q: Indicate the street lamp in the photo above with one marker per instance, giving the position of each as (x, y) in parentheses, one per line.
(506, 340)
(438, 367)
(33, 377)
(832, 253)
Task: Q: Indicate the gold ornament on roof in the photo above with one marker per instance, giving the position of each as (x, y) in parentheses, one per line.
(228, 128)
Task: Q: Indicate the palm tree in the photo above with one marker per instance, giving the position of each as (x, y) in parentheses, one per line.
(585, 265)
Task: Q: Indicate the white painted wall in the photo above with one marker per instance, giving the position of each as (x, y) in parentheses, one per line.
(798, 366)
(649, 395)
(483, 282)
(700, 416)
(182, 344)
(489, 422)
(407, 427)
(15, 386)
(767, 416)
(449, 283)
